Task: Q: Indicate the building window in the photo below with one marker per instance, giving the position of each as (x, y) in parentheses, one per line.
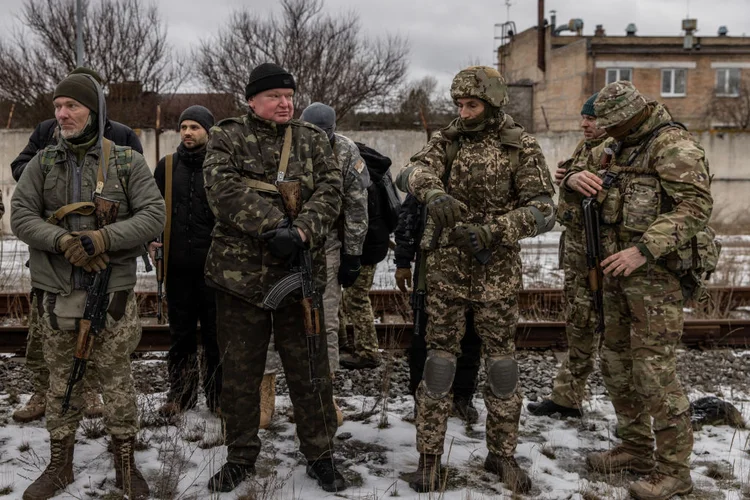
(615, 74)
(673, 82)
(728, 82)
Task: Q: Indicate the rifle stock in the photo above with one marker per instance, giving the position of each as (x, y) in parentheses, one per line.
(159, 261)
(594, 257)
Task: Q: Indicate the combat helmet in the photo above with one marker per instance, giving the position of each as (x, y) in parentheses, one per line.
(617, 102)
(482, 82)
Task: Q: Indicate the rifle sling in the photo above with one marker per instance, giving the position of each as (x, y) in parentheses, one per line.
(286, 149)
(168, 168)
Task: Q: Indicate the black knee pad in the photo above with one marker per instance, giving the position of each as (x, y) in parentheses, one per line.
(439, 371)
(502, 376)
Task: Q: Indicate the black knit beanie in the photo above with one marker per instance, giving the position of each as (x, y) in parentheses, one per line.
(268, 76)
(588, 106)
(199, 114)
(80, 88)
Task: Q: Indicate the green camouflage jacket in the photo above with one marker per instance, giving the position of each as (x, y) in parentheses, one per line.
(248, 148)
(499, 173)
(569, 211)
(38, 195)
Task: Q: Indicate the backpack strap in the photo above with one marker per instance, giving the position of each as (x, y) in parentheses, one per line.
(101, 173)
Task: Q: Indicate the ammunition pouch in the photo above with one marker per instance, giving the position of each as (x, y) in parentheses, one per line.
(641, 203)
(611, 207)
(62, 312)
(700, 254)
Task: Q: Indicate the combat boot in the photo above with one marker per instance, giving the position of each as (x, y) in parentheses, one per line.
(619, 459)
(327, 475)
(428, 474)
(229, 476)
(57, 475)
(660, 487)
(358, 362)
(127, 476)
(464, 409)
(34, 409)
(267, 400)
(93, 407)
(548, 408)
(514, 477)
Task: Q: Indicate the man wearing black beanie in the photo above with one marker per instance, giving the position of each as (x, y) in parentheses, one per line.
(254, 242)
(186, 239)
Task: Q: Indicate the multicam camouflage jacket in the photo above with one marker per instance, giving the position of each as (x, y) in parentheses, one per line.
(356, 179)
(499, 173)
(242, 153)
(569, 211)
(663, 198)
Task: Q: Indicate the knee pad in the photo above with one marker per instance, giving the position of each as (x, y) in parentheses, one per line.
(502, 376)
(439, 371)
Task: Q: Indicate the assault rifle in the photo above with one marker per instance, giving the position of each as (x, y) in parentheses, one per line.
(594, 257)
(95, 311)
(301, 278)
(159, 261)
(419, 293)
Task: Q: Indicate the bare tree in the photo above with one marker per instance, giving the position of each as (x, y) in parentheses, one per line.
(124, 41)
(732, 112)
(330, 59)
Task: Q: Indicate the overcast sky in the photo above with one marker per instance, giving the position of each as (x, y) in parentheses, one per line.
(445, 35)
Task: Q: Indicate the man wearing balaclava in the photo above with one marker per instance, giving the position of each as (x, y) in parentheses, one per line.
(53, 211)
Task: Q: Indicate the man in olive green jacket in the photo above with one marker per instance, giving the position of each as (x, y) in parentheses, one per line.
(52, 213)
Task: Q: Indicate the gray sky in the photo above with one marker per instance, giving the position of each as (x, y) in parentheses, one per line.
(445, 35)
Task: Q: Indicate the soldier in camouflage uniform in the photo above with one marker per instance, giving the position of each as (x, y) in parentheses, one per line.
(253, 242)
(497, 192)
(65, 252)
(569, 387)
(659, 201)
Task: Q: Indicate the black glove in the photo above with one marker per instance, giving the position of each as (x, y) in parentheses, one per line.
(349, 270)
(284, 242)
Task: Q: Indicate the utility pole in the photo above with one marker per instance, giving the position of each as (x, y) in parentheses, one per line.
(79, 33)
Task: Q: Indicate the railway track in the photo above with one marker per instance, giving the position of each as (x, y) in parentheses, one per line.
(396, 331)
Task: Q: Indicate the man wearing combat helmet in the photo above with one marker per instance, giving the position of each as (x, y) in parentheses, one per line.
(486, 186)
(658, 202)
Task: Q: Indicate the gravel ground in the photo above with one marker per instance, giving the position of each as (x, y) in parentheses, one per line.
(718, 372)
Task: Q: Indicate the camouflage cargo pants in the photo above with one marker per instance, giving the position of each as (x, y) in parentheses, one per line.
(644, 320)
(331, 305)
(111, 353)
(35, 352)
(580, 321)
(244, 332)
(357, 311)
(495, 323)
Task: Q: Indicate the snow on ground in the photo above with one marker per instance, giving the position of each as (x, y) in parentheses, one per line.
(375, 449)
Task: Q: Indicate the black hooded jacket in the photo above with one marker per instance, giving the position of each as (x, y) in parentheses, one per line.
(44, 135)
(191, 218)
(375, 247)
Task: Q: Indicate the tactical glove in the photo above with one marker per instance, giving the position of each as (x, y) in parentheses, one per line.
(97, 263)
(94, 242)
(471, 238)
(284, 242)
(349, 270)
(444, 209)
(73, 249)
(403, 278)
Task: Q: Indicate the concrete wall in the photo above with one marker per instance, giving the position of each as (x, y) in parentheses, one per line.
(729, 155)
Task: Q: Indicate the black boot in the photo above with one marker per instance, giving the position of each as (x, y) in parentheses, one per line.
(229, 477)
(327, 476)
(514, 477)
(464, 409)
(427, 477)
(547, 408)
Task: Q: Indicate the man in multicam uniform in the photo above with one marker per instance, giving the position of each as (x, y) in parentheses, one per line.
(660, 200)
(569, 387)
(253, 242)
(63, 260)
(498, 191)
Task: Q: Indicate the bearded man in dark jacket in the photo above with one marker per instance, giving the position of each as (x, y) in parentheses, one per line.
(186, 243)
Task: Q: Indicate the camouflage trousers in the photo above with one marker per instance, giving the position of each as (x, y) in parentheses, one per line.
(580, 322)
(111, 354)
(244, 332)
(357, 311)
(35, 352)
(331, 305)
(495, 323)
(644, 320)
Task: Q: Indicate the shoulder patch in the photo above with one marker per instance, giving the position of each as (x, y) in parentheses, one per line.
(359, 166)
